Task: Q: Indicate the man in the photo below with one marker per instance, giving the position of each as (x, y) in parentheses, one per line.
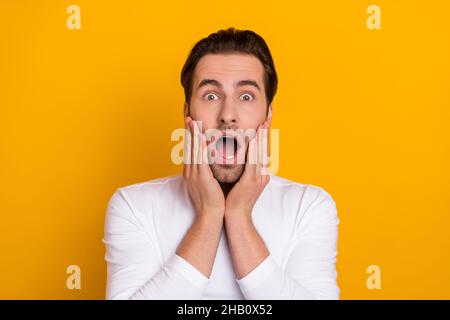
(223, 230)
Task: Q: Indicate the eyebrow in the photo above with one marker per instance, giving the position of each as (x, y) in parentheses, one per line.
(213, 82)
(216, 83)
(249, 83)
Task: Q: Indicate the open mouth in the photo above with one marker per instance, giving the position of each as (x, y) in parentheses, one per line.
(227, 147)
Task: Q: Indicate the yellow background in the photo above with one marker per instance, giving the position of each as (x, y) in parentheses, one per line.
(363, 114)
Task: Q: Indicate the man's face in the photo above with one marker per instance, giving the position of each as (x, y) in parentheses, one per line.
(228, 93)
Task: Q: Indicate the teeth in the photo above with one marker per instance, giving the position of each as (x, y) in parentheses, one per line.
(229, 146)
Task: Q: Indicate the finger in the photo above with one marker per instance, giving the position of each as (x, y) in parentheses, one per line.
(263, 163)
(251, 158)
(204, 166)
(194, 147)
(264, 152)
(198, 143)
(204, 151)
(188, 142)
(257, 168)
(263, 149)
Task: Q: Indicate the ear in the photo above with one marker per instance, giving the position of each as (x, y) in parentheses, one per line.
(185, 109)
(269, 114)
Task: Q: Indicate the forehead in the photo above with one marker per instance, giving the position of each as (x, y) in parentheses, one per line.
(230, 68)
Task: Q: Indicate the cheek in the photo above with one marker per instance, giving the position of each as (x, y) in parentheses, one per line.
(254, 116)
(205, 115)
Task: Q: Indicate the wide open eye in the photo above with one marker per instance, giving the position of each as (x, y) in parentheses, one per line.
(246, 97)
(211, 96)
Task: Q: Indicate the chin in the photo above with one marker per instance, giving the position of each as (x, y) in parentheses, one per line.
(227, 173)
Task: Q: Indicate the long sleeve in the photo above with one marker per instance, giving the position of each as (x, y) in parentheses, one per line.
(134, 265)
(310, 272)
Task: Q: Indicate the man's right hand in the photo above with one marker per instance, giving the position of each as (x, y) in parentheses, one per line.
(204, 190)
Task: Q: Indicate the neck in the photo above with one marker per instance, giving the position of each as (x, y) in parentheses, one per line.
(226, 187)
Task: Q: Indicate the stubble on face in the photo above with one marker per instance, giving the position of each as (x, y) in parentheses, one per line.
(227, 173)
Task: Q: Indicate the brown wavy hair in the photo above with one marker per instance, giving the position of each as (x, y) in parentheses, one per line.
(228, 41)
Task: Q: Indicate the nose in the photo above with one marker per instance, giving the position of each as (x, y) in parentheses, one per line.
(228, 114)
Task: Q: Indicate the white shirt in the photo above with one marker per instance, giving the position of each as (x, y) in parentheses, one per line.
(145, 223)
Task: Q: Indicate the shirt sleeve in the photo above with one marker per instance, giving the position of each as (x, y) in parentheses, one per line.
(134, 267)
(310, 272)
